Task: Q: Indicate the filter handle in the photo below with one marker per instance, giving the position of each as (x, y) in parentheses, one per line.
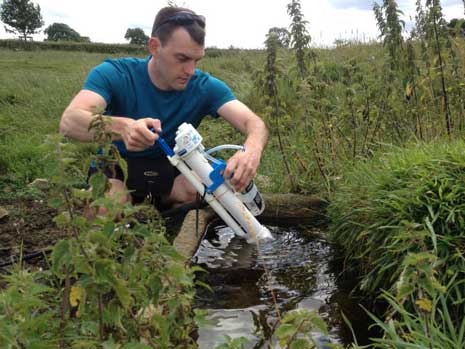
(164, 146)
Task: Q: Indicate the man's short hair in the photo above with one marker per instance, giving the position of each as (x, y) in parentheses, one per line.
(170, 18)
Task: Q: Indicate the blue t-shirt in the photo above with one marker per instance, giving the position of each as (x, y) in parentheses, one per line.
(128, 91)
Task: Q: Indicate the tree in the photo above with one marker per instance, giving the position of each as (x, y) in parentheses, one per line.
(21, 16)
(136, 36)
(456, 26)
(61, 31)
(283, 36)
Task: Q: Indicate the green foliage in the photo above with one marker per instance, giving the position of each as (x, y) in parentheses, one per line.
(21, 16)
(300, 39)
(432, 30)
(456, 27)
(136, 36)
(84, 45)
(233, 343)
(390, 26)
(27, 318)
(61, 32)
(400, 219)
(421, 314)
(283, 36)
(295, 330)
(270, 90)
(111, 284)
(31, 100)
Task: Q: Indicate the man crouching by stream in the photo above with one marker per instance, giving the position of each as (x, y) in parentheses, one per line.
(161, 92)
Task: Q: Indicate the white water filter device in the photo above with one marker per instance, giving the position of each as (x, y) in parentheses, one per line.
(252, 199)
(190, 159)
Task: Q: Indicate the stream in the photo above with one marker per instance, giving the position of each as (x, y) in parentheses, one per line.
(301, 268)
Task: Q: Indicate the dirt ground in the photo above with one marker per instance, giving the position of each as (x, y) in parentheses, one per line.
(28, 225)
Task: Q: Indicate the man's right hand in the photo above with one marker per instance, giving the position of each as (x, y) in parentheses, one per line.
(137, 136)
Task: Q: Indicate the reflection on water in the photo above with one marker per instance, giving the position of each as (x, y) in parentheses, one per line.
(298, 263)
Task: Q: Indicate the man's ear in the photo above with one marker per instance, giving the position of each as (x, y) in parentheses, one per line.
(154, 46)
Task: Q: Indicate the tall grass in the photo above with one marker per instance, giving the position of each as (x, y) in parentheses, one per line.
(401, 220)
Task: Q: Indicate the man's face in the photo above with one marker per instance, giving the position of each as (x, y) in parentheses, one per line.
(175, 62)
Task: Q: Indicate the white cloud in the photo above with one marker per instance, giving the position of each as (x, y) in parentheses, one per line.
(240, 23)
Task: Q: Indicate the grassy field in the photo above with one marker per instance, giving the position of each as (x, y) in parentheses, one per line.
(35, 89)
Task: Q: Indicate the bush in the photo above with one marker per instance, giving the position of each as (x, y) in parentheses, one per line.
(72, 46)
(110, 284)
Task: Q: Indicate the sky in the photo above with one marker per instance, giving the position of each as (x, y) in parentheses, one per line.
(238, 23)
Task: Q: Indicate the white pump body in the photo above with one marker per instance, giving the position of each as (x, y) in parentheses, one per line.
(189, 159)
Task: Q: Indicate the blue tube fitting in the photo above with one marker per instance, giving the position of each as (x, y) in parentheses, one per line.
(216, 176)
(164, 146)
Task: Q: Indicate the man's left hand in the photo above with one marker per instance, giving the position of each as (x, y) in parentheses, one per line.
(241, 168)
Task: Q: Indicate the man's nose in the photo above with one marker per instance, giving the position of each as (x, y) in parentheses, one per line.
(189, 68)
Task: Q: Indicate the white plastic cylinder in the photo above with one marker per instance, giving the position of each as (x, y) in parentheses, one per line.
(210, 199)
(200, 166)
(191, 162)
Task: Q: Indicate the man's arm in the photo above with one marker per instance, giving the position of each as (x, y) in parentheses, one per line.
(244, 164)
(78, 115)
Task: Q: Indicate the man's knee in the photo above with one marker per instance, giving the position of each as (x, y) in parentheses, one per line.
(117, 192)
(183, 191)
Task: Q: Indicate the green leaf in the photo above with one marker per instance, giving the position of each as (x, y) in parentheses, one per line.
(61, 255)
(82, 194)
(285, 330)
(98, 182)
(136, 346)
(124, 167)
(98, 237)
(155, 284)
(108, 228)
(204, 285)
(170, 251)
(300, 343)
(123, 293)
(63, 219)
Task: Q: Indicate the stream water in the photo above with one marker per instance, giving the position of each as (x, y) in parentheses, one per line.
(298, 265)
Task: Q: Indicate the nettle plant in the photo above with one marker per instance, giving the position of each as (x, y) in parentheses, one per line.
(111, 283)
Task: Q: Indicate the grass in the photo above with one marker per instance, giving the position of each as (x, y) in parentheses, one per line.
(35, 89)
(401, 220)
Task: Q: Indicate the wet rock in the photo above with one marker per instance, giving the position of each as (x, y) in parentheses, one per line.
(188, 239)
